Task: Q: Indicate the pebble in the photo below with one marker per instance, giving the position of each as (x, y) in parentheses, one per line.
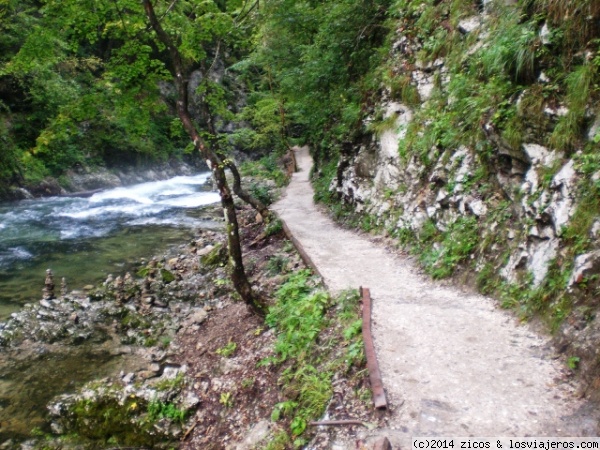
(128, 379)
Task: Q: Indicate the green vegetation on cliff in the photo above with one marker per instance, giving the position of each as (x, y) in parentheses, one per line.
(494, 107)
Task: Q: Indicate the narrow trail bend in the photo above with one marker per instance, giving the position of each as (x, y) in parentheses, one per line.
(453, 364)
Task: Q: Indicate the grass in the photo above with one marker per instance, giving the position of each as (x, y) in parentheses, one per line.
(402, 88)
(160, 410)
(275, 226)
(445, 251)
(227, 350)
(277, 264)
(301, 317)
(568, 130)
(380, 126)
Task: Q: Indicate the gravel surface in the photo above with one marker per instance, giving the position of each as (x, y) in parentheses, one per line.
(453, 364)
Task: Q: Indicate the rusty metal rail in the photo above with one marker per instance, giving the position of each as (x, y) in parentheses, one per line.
(379, 399)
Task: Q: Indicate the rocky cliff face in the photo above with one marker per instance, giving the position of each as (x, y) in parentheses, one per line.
(477, 166)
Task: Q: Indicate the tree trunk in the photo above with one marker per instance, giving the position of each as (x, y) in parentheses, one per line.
(180, 76)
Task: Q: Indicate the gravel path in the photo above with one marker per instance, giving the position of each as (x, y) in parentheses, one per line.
(453, 364)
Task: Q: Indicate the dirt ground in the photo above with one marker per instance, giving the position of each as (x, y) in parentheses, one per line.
(237, 393)
(453, 363)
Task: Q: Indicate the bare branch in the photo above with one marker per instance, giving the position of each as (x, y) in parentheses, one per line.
(168, 10)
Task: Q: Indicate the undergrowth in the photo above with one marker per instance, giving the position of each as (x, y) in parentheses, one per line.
(266, 168)
(317, 337)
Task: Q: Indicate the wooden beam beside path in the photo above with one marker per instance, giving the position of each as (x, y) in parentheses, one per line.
(300, 249)
(374, 374)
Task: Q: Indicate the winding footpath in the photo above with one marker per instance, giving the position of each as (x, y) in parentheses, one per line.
(452, 363)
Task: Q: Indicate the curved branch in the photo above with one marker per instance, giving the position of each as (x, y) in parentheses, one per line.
(259, 206)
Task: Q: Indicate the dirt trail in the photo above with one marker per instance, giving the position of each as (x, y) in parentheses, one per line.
(452, 363)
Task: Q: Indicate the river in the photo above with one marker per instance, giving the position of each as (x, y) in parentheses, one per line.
(83, 240)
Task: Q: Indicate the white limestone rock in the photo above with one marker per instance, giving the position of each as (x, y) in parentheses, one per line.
(424, 83)
(546, 35)
(586, 264)
(254, 436)
(516, 261)
(539, 155)
(477, 207)
(562, 205)
(540, 254)
(469, 25)
(595, 230)
(594, 129)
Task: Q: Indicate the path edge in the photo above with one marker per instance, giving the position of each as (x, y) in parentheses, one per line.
(300, 249)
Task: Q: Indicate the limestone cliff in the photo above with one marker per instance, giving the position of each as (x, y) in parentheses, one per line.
(483, 156)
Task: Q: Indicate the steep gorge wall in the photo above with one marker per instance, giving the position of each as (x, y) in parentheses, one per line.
(484, 158)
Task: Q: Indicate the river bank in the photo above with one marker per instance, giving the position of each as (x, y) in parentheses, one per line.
(85, 180)
(86, 239)
(125, 324)
(165, 353)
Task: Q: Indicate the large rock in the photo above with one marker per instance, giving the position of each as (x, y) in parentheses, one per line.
(585, 265)
(88, 181)
(255, 435)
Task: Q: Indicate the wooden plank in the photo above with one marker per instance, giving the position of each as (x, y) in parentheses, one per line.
(379, 399)
(300, 249)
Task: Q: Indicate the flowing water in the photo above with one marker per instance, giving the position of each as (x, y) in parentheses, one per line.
(83, 240)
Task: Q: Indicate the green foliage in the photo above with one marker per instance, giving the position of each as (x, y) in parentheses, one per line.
(353, 330)
(512, 48)
(315, 55)
(227, 350)
(226, 399)
(90, 79)
(444, 251)
(275, 226)
(277, 264)
(299, 316)
(159, 410)
(402, 88)
(568, 130)
(262, 193)
(380, 126)
(266, 114)
(322, 180)
(575, 23)
(171, 384)
(573, 362)
(107, 421)
(266, 168)
(217, 256)
(280, 441)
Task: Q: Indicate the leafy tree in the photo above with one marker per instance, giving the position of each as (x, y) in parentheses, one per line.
(115, 66)
(180, 59)
(318, 55)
